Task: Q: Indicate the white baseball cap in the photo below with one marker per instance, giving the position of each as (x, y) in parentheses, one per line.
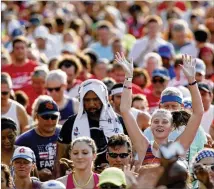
(53, 184)
(200, 66)
(24, 153)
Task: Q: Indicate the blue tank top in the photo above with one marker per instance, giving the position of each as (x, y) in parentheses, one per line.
(67, 111)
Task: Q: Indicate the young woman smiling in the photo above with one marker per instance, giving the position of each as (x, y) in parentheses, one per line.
(162, 121)
(83, 154)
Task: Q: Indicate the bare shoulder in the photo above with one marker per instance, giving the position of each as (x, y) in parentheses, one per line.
(63, 179)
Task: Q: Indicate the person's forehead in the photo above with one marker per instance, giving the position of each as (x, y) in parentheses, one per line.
(207, 161)
(118, 147)
(170, 103)
(90, 94)
(81, 145)
(53, 83)
(20, 43)
(4, 86)
(161, 115)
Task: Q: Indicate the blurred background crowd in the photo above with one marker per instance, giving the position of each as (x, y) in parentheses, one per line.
(50, 47)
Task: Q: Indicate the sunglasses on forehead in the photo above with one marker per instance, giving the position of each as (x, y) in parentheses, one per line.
(57, 89)
(161, 80)
(115, 155)
(49, 116)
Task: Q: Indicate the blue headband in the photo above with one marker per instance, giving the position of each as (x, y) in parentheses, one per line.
(204, 154)
(170, 98)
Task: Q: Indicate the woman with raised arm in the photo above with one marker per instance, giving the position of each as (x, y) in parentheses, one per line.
(162, 121)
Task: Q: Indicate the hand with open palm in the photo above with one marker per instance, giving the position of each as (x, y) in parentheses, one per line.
(127, 66)
(188, 67)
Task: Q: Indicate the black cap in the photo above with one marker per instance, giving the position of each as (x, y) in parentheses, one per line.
(48, 107)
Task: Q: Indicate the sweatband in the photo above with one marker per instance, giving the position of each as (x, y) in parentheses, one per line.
(116, 91)
(170, 98)
(204, 154)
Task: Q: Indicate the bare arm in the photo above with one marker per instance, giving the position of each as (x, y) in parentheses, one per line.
(139, 141)
(61, 153)
(23, 119)
(193, 124)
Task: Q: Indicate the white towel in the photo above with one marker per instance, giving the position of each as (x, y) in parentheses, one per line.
(109, 121)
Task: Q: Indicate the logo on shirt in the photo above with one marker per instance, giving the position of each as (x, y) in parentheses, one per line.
(76, 131)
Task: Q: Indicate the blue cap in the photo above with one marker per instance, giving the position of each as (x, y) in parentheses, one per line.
(17, 32)
(161, 72)
(48, 107)
(165, 51)
(200, 66)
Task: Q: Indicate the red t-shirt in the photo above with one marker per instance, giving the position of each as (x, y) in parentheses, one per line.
(21, 75)
(153, 102)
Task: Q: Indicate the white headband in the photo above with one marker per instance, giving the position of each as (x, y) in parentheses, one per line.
(116, 91)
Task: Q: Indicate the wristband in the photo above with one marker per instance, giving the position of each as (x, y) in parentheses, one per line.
(193, 83)
(127, 87)
(129, 78)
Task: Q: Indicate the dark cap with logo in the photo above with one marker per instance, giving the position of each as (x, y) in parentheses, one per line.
(48, 107)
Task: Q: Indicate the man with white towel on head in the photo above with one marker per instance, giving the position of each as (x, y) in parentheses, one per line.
(96, 119)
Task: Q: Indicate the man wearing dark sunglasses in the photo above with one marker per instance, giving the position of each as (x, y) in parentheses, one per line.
(119, 151)
(56, 84)
(72, 67)
(160, 79)
(42, 139)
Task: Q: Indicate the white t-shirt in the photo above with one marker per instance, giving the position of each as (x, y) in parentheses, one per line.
(208, 118)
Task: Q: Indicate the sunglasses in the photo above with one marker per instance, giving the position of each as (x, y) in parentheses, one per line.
(66, 64)
(115, 155)
(5, 93)
(209, 167)
(57, 89)
(161, 80)
(49, 116)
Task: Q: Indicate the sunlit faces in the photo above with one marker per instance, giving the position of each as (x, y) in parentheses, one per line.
(159, 84)
(140, 105)
(161, 124)
(8, 137)
(171, 106)
(92, 103)
(206, 99)
(82, 156)
(70, 72)
(118, 156)
(20, 51)
(118, 75)
(116, 101)
(38, 84)
(209, 163)
(55, 89)
(23, 167)
(3, 180)
(100, 70)
(152, 64)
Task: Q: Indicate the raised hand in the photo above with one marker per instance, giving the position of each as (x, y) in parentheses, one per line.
(130, 176)
(188, 67)
(127, 66)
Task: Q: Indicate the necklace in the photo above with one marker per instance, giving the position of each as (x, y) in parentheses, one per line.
(87, 182)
